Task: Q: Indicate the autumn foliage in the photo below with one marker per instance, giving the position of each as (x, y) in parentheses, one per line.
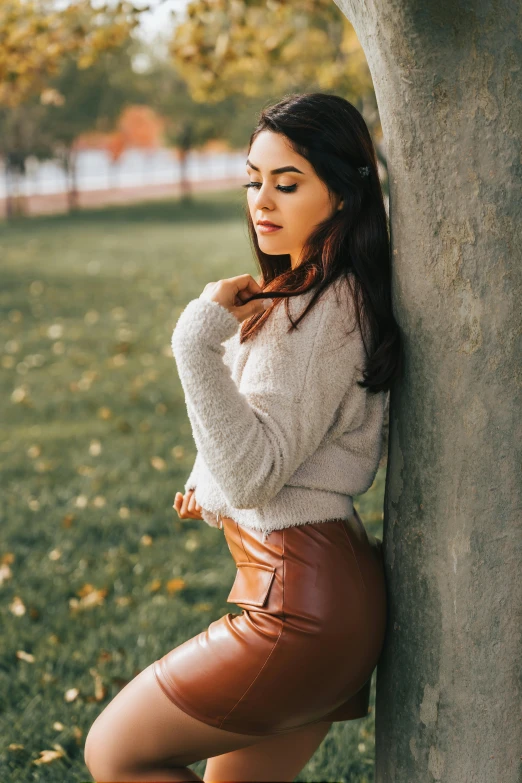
(138, 127)
(267, 46)
(35, 39)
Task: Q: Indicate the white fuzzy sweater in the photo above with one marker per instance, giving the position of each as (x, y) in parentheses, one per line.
(284, 434)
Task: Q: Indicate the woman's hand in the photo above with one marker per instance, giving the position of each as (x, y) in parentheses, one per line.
(233, 293)
(186, 505)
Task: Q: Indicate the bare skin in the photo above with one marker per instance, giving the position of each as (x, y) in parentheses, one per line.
(295, 200)
(186, 505)
(142, 736)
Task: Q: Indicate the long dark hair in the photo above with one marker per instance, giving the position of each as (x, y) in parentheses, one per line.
(332, 135)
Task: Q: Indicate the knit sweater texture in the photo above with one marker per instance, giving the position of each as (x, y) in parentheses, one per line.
(284, 434)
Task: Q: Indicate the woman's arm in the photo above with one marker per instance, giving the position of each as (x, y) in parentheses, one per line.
(254, 440)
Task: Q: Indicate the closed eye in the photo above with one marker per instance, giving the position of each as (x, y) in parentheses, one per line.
(283, 188)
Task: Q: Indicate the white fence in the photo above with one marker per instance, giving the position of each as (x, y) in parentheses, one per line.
(94, 170)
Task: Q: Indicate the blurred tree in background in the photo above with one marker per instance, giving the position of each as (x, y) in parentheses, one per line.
(190, 124)
(92, 99)
(37, 42)
(268, 47)
(36, 38)
(65, 73)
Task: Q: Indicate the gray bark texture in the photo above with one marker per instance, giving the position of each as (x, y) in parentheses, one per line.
(448, 82)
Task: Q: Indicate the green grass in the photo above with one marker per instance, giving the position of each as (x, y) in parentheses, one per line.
(94, 443)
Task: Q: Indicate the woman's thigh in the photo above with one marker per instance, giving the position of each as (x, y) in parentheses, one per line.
(277, 758)
(141, 728)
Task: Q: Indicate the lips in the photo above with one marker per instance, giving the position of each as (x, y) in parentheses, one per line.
(267, 223)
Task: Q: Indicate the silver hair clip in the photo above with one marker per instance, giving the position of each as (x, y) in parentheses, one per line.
(364, 171)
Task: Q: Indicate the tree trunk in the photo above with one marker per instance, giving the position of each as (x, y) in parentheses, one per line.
(185, 184)
(16, 201)
(9, 206)
(72, 186)
(447, 80)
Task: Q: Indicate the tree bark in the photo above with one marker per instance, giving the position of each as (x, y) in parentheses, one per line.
(69, 161)
(448, 83)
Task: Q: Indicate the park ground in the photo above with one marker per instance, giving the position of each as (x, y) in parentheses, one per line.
(99, 576)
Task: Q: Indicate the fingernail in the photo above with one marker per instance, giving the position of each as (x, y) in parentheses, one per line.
(267, 303)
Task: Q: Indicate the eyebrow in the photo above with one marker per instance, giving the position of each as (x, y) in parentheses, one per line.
(276, 171)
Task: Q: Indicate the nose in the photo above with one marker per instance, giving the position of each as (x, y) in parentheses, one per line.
(262, 199)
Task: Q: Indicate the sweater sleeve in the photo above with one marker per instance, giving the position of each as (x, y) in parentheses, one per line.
(192, 481)
(253, 438)
(228, 358)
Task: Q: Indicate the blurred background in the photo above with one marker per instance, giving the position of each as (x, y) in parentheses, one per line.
(123, 138)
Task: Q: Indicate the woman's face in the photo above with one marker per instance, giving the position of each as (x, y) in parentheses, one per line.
(295, 200)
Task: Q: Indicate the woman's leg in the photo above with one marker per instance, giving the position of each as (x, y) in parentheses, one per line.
(142, 736)
(276, 758)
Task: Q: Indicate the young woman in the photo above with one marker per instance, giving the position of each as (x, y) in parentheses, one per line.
(287, 406)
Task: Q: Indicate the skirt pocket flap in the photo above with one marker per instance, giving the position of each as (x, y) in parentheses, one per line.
(252, 584)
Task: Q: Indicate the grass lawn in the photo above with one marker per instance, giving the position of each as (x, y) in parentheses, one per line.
(98, 575)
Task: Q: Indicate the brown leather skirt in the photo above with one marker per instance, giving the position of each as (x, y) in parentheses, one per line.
(308, 638)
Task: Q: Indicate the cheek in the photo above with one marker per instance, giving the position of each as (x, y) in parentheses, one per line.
(305, 211)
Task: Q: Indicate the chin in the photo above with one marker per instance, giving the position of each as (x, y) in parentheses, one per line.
(273, 252)
(272, 248)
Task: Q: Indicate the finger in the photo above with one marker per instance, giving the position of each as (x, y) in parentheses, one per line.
(184, 505)
(177, 502)
(253, 307)
(192, 503)
(245, 285)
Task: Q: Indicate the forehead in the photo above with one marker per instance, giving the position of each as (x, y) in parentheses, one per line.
(271, 150)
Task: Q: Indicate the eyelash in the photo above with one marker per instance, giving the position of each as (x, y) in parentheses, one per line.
(282, 188)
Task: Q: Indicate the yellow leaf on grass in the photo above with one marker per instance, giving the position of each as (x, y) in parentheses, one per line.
(90, 597)
(99, 689)
(25, 656)
(17, 606)
(173, 585)
(46, 756)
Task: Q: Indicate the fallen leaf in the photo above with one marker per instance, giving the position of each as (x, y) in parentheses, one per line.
(67, 520)
(17, 606)
(46, 756)
(90, 597)
(25, 656)
(99, 689)
(173, 585)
